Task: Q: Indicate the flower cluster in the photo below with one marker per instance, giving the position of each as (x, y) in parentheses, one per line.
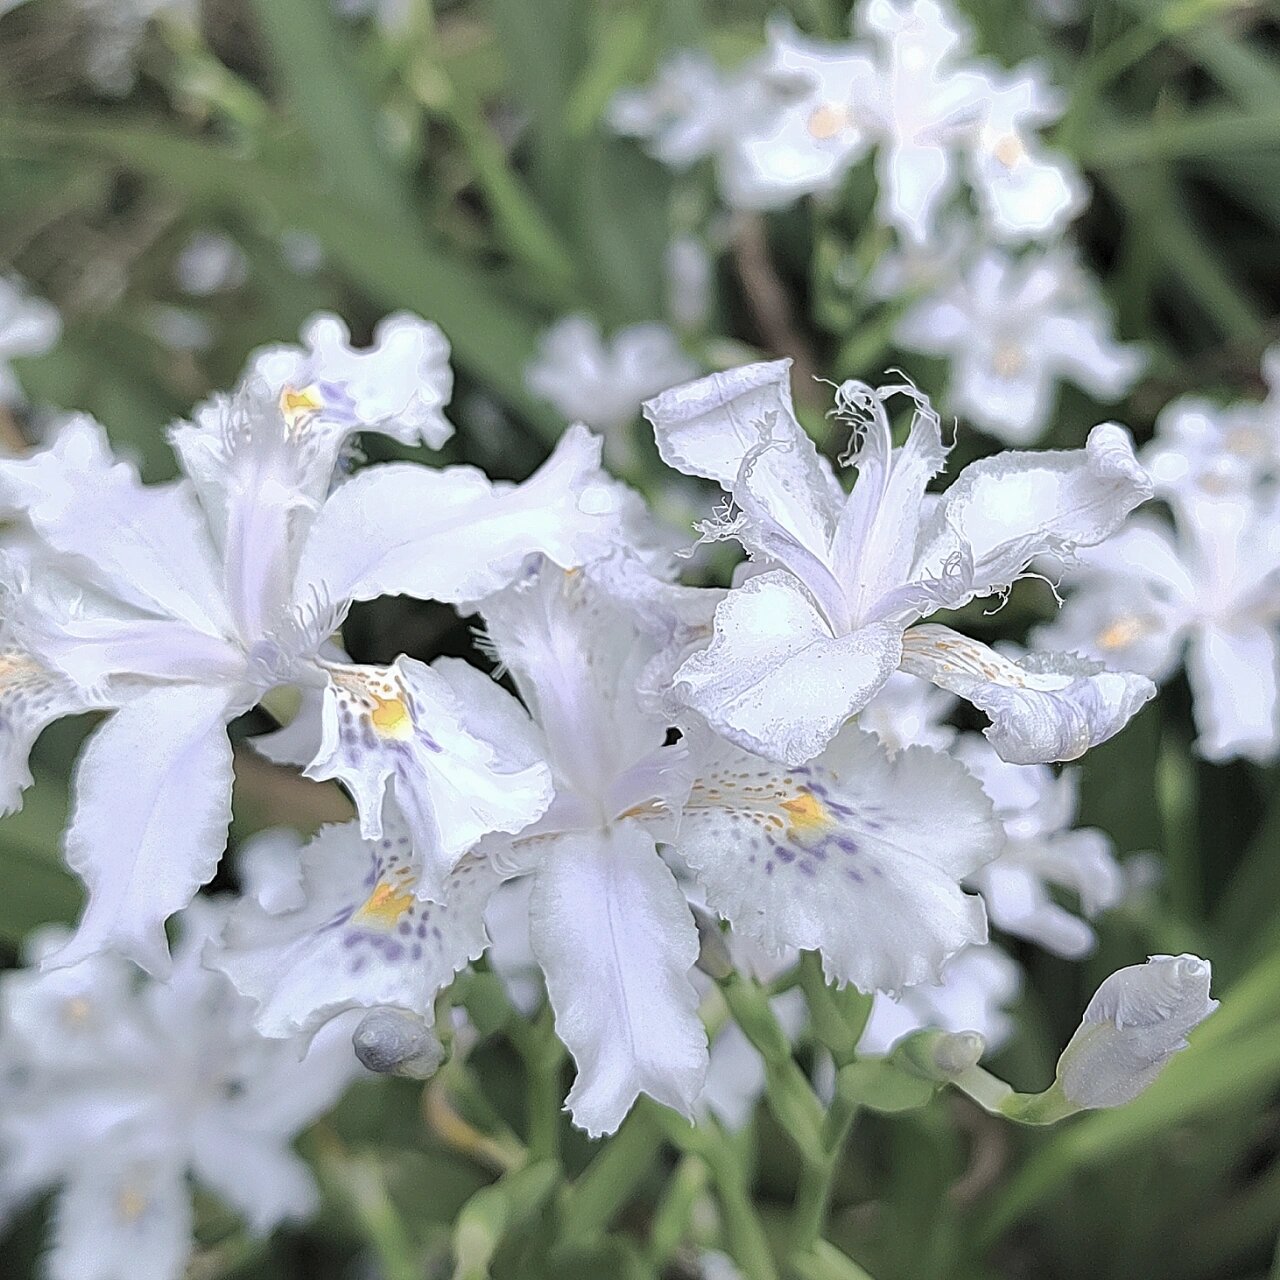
(762, 768)
(1206, 585)
(118, 1087)
(938, 122)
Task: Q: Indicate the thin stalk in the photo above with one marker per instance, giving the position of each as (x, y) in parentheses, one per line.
(611, 1179)
(543, 1057)
(521, 225)
(745, 1238)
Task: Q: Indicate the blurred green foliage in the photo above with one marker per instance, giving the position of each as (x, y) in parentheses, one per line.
(461, 171)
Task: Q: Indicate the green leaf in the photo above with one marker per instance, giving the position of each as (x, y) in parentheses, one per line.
(330, 101)
(38, 889)
(395, 268)
(545, 47)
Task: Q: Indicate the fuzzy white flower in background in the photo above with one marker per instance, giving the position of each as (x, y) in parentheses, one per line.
(976, 989)
(602, 383)
(1218, 449)
(1012, 328)
(793, 121)
(1137, 1020)
(181, 605)
(209, 263)
(117, 1089)
(807, 136)
(1209, 586)
(180, 328)
(807, 640)
(694, 111)
(842, 856)
(29, 326)
(908, 711)
(1043, 851)
(907, 270)
(1024, 191)
(690, 280)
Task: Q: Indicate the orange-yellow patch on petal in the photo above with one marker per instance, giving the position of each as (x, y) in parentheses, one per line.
(827, 120)
(298, 405)
(806, 813)
(391, 718)
(1009, 149)
(76, 1011)
(1122, 632)
(131, 1204)
(385, 905)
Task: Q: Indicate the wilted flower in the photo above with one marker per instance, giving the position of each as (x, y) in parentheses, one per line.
(1137, 1020)
(1012, 329)
(117, 1089)
(806, 642)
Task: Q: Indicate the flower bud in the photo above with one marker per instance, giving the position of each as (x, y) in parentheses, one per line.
(714, 958)
(1137, 1020)
(392, 1042)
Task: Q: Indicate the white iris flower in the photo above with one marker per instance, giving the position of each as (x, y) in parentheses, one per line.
(843, 579)
(181, 605)
(1209, 586)
(843, 856)
(117, 1089)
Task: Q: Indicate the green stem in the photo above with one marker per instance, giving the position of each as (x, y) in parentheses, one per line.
(495, 1211)
(789, 1094)
(673, 1217)
(205, 78)
(838, 1017)
(817, 1178)
(745, 1237)
(611, 1179)
(543, 1057)
(359, 1180)
(825, 1262)
(521, 224)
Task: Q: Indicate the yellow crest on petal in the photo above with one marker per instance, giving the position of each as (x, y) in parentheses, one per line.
(384, 906)
(806, 813)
